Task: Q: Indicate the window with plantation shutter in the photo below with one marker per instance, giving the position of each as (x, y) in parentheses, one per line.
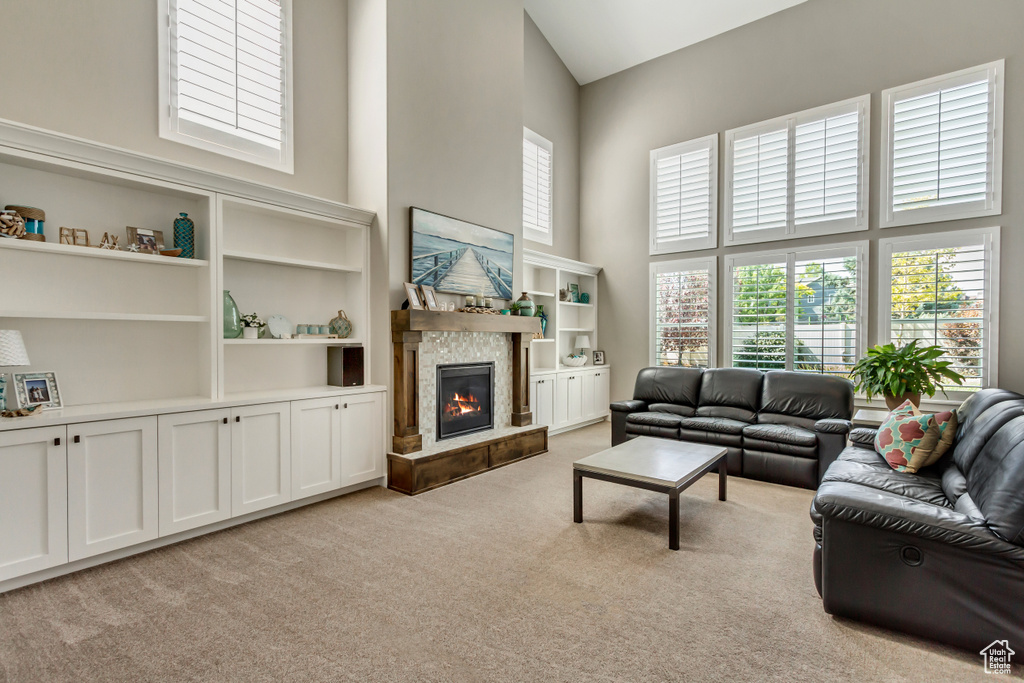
(797, 310)
(537, 204)
(683, 313)
(799, 175)
(225, 83)
(944, 147)
(943, 290)
(684, 196)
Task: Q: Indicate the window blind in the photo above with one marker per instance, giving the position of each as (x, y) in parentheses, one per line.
(682, 315)
(941, 147)
(537, 189)
(228, 71)
(684, 196)
(759, 181)
(938, 296)
(758, 311)
(826, 169)
(825, 329)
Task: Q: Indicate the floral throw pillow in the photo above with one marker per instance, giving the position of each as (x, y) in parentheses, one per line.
(910, 440)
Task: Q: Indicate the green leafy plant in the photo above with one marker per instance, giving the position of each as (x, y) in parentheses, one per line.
(515, 307)
(910, 369)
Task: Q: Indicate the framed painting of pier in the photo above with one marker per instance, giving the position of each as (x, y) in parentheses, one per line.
(456, 257)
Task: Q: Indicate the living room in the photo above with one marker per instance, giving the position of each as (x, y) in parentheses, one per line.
(380, 549)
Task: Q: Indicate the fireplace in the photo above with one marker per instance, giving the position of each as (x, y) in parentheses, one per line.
(465, 399)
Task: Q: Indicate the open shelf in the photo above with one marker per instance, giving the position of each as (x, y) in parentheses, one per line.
(538, 341)
(577, 329)
(291, 342)
(294, 262)
(536, 293)
(91, 315)
(572, 303)
(95, 252)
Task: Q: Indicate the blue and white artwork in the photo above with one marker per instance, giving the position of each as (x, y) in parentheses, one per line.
(457, 257)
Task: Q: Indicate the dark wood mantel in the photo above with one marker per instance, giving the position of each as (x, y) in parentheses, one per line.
(407, 328)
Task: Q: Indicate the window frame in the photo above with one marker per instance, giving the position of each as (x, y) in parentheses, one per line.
(946, 240)
(216, 141)
(709, 263)
(529, 232)
(860, 251)
(862, 105)
(992, 205)
(683, 244)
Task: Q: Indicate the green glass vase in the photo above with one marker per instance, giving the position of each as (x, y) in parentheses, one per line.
(232, 318)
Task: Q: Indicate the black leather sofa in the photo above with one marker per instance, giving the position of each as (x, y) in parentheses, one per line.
(940, 553)
(778, 426)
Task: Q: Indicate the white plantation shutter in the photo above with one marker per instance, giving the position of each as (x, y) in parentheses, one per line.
(682, 311)
(537, 154)
(800, 310)
(227, 78)
(798, 175)
(941, 291)
(684, 196)
(943, 145)
(760, 175)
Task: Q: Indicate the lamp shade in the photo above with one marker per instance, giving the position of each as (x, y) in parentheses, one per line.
(12, 349)
(583, 341)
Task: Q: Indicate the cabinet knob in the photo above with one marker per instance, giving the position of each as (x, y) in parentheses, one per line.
(56, 442)
(336, 406)
(346, 405)
(78, 438)
(238, 418)
(225, 420)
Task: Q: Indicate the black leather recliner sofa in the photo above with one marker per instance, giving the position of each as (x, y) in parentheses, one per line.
(778, 426)
(940, 553)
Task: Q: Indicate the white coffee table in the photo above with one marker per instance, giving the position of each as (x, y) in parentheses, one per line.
(654, 464)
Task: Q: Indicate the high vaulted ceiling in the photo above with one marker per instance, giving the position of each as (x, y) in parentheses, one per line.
(596, 38)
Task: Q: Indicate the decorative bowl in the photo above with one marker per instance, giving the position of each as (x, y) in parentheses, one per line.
(574, 361)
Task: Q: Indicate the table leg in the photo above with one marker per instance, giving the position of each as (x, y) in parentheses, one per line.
(577, 497)
(673, 520)
(722, 474)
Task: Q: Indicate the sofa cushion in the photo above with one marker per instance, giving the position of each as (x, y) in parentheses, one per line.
(857, 465)
(780, 469)
(910, 440)
(780, 438)
(672, 408)
(804, 398)
(679, 386)
(665, 425)
(730, 392)
(995, 481)
(721, 425)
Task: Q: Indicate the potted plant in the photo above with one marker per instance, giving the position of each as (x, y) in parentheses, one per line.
(901, 373)
(251, 324)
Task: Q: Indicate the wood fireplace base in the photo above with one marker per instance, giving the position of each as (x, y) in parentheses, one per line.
(412, 475)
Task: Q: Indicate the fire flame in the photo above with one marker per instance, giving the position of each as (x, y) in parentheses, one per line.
(462, 405)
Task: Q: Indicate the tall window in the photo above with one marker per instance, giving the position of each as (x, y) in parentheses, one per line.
(943, 289)
(683, 313)
(943, 147)
(225, 78)
(537, 154)
(798, 310)
(684, 196)
(799, 175)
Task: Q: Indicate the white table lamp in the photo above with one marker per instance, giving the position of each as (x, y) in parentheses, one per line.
(12, 352)
(582, 343)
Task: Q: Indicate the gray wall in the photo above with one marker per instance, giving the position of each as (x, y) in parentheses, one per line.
(813, 54)
(89, 69)
(455, 118)
(551, 107)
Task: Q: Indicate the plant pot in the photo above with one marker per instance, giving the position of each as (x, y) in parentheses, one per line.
(250, 333)
(895, 402)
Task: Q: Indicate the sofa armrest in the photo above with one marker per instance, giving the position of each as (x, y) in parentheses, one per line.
(871, 507)
(631, 406)
(833, 426)
(864, 436)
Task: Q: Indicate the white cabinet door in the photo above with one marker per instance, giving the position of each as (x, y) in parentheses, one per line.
(316, 446)
(589, 379)
(602, 392)
(33, 500)
(542, 400)
(561, 400)
(574, 396)
(195, 469)
(112, 485)
(261, 467)
(362, 438)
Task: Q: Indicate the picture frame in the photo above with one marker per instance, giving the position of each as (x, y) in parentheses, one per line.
(430, 298)
(412, 293)
(574, 291)
(598, 357)
(37, 389)
(148, 241)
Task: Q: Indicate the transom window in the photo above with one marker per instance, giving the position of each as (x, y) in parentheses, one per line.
(537, 193)
(684, 196)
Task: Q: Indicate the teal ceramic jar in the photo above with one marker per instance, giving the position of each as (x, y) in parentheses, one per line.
(526, 305)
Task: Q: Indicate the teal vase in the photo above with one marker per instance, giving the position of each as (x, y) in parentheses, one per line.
(526, 305)
(543, 319)
(185, 236)
(232, 318)
(3, 390)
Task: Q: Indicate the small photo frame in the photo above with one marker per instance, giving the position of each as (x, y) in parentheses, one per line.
(598, 357)
(430, 298)
(574, 291)
(412, 293)
(148, 241)
(37, 389)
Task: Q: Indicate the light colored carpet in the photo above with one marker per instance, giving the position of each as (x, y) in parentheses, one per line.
(484, 580)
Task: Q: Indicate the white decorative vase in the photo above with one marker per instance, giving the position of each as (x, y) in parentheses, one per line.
(250, 333)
